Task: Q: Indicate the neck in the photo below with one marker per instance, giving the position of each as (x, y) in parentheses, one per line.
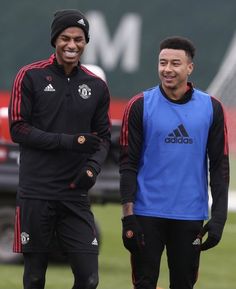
(68, 68)
(175, 93)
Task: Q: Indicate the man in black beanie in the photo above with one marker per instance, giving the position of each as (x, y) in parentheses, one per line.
(59, 116)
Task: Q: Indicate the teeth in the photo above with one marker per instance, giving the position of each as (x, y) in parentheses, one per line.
(71, 53)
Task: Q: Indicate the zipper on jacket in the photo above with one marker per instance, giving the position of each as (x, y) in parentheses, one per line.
(68, 93)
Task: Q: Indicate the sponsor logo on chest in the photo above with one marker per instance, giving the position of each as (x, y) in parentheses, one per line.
(179, 136)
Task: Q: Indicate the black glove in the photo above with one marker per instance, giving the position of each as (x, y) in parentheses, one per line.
(86, 143)
(83, 143)
(132, 235)
(214, 230)
(85, 179)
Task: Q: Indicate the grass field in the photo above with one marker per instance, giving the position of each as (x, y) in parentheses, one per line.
(233, 173)
(217, 269)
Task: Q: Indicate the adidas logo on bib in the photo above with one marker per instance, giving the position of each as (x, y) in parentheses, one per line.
(179, 136)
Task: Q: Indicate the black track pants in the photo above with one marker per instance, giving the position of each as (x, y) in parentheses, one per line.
(84, 267)
(177, 237)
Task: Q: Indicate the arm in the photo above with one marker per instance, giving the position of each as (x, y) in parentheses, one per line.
(23, 132)
(219, 175)
(101, 124)
(131, 146)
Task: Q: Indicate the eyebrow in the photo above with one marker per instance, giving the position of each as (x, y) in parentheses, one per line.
(165, 59)
(68, 36)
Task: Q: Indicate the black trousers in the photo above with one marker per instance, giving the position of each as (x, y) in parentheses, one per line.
(84, 267)
(38, 221)
(183, 256)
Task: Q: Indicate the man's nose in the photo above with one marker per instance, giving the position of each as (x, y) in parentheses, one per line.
(71, 43)
(168, 67)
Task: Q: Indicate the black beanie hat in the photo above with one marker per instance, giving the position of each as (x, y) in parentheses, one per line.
(68, 18)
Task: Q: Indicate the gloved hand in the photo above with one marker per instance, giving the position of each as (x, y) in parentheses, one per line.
(132, 235)
(83, 143)
(85, 179)
(214, 230)
(86, 143)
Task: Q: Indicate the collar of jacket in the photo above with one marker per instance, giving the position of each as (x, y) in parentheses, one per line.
(185, 98)
(60, 68)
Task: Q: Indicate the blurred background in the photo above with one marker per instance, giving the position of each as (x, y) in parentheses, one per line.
(124, 42)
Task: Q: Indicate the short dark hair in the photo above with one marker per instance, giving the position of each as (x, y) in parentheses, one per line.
(178, 42)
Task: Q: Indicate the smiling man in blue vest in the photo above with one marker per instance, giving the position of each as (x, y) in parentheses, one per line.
(170, 133)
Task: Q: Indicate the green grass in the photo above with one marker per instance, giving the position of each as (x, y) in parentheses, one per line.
(217, 270)
(233, 172)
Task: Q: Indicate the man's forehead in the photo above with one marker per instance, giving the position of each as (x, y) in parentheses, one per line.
(172, 53)
(72, 30)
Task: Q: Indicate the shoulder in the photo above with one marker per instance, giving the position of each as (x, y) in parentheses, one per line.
(95, 76)
(205, 97)
(134, 107)
(35, 65)
(29, 71)
(94, 72)
(135, 101)
(218, 108)
(200, 93)
(152, 94)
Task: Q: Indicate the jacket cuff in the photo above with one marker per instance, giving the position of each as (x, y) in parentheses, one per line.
(66, 141)
(94, 166)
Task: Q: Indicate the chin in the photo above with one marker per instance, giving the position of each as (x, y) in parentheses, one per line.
(71, 61)
(169, 85)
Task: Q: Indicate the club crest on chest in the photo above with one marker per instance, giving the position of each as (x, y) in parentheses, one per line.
(84, 91)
